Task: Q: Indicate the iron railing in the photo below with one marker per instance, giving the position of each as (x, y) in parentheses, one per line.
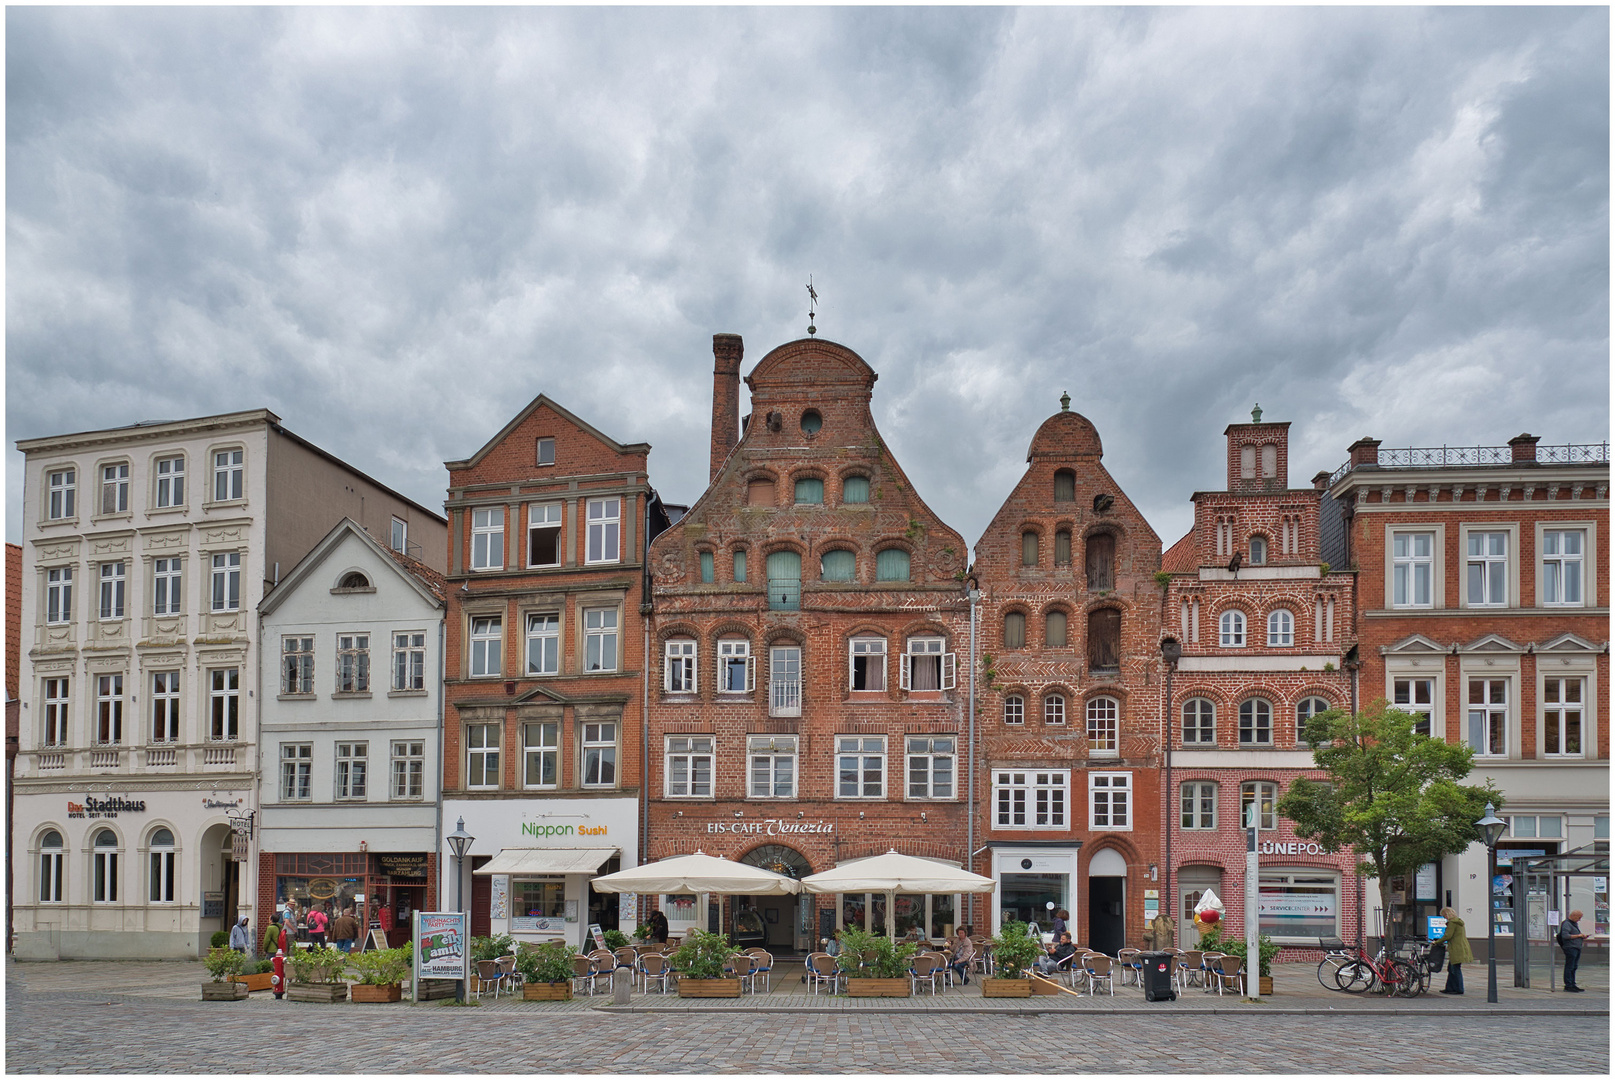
(1427, 457)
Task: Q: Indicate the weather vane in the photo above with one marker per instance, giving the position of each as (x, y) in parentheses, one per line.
(813, 302)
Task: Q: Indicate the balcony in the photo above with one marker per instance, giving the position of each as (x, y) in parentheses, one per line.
(785, 698)
(219, 756)
(52, 761)
(159, 757)
(105, 759)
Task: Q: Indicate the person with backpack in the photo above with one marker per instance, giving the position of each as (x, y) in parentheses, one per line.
(272, 935)
(317, 922)
(1570, 940)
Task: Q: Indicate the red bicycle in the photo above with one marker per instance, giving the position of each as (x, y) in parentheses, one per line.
(1387, 974)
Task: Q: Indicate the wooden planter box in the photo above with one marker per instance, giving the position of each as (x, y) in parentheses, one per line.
(709, 988)
(1264, 984)
(1010, 988)
(319, 993)
(223, 991)
(376, 994)
(547, 991)
(435, 989)
(256, 982)
(879, 987)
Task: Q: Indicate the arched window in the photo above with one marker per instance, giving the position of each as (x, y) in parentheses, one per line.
(1054, 709)
(1280, 628)
(1105, 640)
(1258, 551)
(1014, 630)
(1255, 722)
(1065, 486)
(1062, 548)
(50, 867)
(1054, 630)
(809, 490)
(1014, 709)
(740, 566)
(837, 565)
(162, 867)
(1028, 548)
(706, 568)
(355, 580)
(1305, 711)
(760, 492)
(891, 565)
(104, 867)
(1103, 713)
(1199, 722)
(855, 489)
(1101, 561)
(1266, 796)
(1231, 630)
(784, 581)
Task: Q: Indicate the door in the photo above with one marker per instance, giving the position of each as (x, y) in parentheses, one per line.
(1192, 885)
(481, 899)
(1107, 928)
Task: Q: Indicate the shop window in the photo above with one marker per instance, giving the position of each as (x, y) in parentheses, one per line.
(1199, 805)
(1030, 800)
(50, 867)
(931, 762)
(1101, 561)
(689, 766)
(1264, 796)
(600, 755)
(161, 869)
(1110, 797)
(860, 767)
(1103, 723)
(771, 765)
(1298, 907)
(1105, 641)
(541, 754)
(104, 868)
(544, 534)
(868, 662)
(785, 681)
(1014, 709)
(537, 899)
(1014, 630)
(1199, 722)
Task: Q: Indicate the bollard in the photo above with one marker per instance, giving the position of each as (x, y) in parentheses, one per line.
(619, 992)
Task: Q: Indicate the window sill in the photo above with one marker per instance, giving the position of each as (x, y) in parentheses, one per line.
(350, 694)
(159, 511)
(102, 519)
(690, 798)
(926, 695)
(734, 697)
(860, 798)
(350, 590)
(865, 697)
(680, 697)
(226, 504)
(297, 697)
(47, 523)
(407, 693)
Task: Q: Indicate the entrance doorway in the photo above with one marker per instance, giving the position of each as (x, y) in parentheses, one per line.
(603, 907)
(781, 916)
(1193, 882)
(1107, 901)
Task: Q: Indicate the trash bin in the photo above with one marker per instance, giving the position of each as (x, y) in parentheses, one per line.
(1157, 976)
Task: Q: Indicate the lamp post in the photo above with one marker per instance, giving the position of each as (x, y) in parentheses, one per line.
(1171, 653)
(1491, 828)
(459, 843)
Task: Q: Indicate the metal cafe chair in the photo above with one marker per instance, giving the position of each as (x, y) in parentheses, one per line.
(582, 973)
(488, 978)
(924, 967)
(821, 968)
(1100, 968)
(653, 967)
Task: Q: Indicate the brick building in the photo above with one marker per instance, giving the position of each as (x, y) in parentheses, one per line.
(1070, 726)
(805, 708)
(544, 654)
(1264, 631)
(1483, 602)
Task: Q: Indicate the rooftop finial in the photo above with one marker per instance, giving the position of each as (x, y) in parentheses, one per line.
(1065, 401)
(1256, 414)
(813, 302)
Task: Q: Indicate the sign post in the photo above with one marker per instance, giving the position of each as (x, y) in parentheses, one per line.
(1253, 951)
(439, 941)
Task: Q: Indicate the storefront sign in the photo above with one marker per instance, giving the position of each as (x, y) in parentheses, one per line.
(771, 827)
(213, 905)
(1294, 906)
(532, 828)
(404, 866)
(222, 804)
(1291, 847)
(541, 924)
(92, 807)
(440, 951)
(499, 897)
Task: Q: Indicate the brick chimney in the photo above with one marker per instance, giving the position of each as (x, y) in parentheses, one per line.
(727, 351)
(1364, 452)
(1524, 447)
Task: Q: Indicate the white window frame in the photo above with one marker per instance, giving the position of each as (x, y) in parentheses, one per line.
(229, 473)
(599, 750)
(114, 579)
(1014, 710)
(1555, 713)
(1110, 795)
(483, 745)
(1054, 709)
(225, 582)
(109, 709)
(160, 868)
(1258, 548)
(604, 532)
(1032, 799)
(114, 488)
(168, 490)
(61, 491)
(1204, 710)
(104, 868)
(924, 647)
(1251, 790)
(224, 704)
(1231, 629)
(165, 699)
(541, 744)
(167, 577)
(408, 770)
(487, 538)
(1484, 712)
(52, 875)
(487, 636)
(544, 450)
(1499, 572)
(1104, 726)
(57, 699)
(1194, 797)
(1587, 560)
(1405, 693)
(872, 650)
(409, 661)
(764, 757)
(1280, 629)
(296, 772)
(1257, 706)
(58, 595)
(352, 771)
(1402, 570)
(601, 639)
(353, 664)
(545, 518)
(679, 667)
(866, 756)
(785, 680)
(297, 665)
(543, 643)
(398, 536)
(931, 767)
(1303, 714)
(688, 767)
(735, 658)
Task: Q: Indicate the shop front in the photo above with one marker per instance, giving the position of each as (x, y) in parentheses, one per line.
(1035, 881)
(382, 888)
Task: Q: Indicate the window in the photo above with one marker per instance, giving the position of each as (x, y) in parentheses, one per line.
(1258, 551)
(409, 661)
(1101, 561)
(1062, 548)
(1561, 717)
(1109, 798)
(296, 771)
(115, 488)
(1561, 566)
(1014, 709)
(544, 534)
(1028, 548)
(689, 766)
(546, 452)
(760, 493)
(165, 595)
(109, 710)
(112, 583)
(784, 581)
(55, 712)
(1255, 722)
(860, 767)
(809, 491)
(1030, 800)
(734, 666)
(297, 665)
(60, 488)
(1486, 569)
(1299, 907)
(1054, 709)
(1264, 796)
(1270, 459)
(482, 755)
(1054, 624)
(930, 766)
(838, 565)
(486, 638)
(170, 482)
(1014, 630)
(58, 595)
(1199, 722)
(1416, 696)
(541, 754)
(868, 663)
(488, 538)
(605, 522)
(855, 489)
(398, 538)
(1247, 462)
(772, 764)
(1280, 629)
(1199, 805)
(354, 580)
(599, 755)
(227, 581)
(353, 663)
(351, 761)
(740, 566)
(1488, 716)
(161, 877)
(224, 701)
(164, 706)
(50, 867)
(706, 568)
(1065, 485)
(104, 867)
(1412, 566)
(785, 681)
(1105, 640)
(1103, 725)
(227, 475)
(678, 677)
(1535, 827)
(409, 770)
(1231, 630)
(600, 639)
(926, 667)
(1305, 711)
(543, 644)
(891, 565)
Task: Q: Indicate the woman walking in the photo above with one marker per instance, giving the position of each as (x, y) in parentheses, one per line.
(1458, 951)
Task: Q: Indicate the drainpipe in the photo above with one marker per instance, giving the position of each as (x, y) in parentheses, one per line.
(646, 608)
(442, 716)
(1171, 652)
(974, 592)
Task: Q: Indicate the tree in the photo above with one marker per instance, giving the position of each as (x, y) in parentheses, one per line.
(1392, 796)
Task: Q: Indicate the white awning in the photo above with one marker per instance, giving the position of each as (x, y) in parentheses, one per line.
(527, 860)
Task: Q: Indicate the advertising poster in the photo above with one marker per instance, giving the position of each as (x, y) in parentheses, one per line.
(440, 945)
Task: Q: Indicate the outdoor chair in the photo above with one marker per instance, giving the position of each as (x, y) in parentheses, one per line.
(764, 968)
(1230, 974)
(924, 967)
(605, 965)
(582, 974)
(653, 967)
(1189, 968)
(1100, 969)
(947, 966)
(1208, 970)
(1132, 967)
(627, 960)
(509, 977)
(488, 978)
(821, 968)
(1067, 970)
(740, 967)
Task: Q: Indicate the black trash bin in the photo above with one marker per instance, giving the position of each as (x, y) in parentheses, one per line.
(1157, 972)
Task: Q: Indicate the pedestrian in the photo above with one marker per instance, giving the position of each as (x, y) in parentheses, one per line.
(344, 929)
(240, 937)
(317, 922)
(1060, 925)
(658, 927)
(1570, 940)
(272, 934)
(1458, 951)
(964, 951)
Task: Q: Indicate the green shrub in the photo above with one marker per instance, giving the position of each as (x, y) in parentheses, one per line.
(702, 955)
(222, 962)
(317, 965)
(642, 931)
(1265, 949)
(1014, 950)
(492, 948)
(551, 962)
(382, 967)
(258, 967)
(616, 939)
(856, 945)
(219, 940)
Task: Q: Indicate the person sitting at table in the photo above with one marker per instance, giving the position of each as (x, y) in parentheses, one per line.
(964, 951)
(1049, 964)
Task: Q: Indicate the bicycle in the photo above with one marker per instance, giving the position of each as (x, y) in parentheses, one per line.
(1385, 973)
(1336, 956)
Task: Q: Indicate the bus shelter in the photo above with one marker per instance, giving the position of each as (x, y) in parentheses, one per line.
(1551, 887)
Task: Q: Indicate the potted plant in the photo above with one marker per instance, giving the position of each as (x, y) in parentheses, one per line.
(317, 975)
(641, 933)
(381, 974)
(255, 974)
(222, 963)
(1014, 952)
(219, 940)
(615, 939)
(488, 948)
(700, 961)
(546, 972)
(1266, 951)
(875, 966)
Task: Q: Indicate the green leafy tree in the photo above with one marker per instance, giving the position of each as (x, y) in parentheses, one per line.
(1393, 796)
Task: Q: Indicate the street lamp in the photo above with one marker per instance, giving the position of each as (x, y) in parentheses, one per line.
(1171, 653)
(1491, 829)
(459, 842)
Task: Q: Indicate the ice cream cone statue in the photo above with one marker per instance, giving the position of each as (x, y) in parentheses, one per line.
(1208, 912)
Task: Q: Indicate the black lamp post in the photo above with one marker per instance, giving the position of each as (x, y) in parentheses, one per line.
(1491, 829)
(1171, 653)
(460, 842)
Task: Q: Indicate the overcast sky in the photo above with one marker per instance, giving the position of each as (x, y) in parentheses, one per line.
(395, 227)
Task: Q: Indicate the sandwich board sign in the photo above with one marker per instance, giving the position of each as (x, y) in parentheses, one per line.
(439, 941)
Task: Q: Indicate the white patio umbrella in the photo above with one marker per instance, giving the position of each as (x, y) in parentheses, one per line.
(698, 873)
(893, 873)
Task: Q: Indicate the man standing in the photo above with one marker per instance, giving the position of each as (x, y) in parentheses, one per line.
(344, 928)
(1570, 939)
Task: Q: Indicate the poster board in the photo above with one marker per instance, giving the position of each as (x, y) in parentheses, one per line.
(376, 940)
(438, 940)
(597, 935)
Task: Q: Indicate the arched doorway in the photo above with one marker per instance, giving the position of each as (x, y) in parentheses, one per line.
(221, 882)
(1107, 901)
(785, 923)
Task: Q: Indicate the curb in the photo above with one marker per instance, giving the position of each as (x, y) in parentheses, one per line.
(978, 1010)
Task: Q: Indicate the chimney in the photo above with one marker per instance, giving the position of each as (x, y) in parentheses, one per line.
(727, 350)
(1524, 447)
(1363, 452)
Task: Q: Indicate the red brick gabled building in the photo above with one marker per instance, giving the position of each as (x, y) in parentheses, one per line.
(1070, 724)
(808, 635)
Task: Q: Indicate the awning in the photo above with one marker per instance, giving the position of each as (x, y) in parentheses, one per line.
(527, 860)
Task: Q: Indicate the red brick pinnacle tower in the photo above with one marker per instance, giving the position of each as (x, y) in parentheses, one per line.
(727, 350)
